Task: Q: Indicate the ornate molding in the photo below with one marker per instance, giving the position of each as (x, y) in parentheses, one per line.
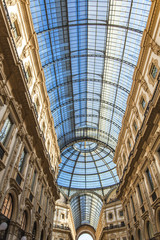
(155, 48)
(11, 2)
(26, 50)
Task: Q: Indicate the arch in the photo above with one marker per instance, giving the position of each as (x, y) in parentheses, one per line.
(14, 196)
(7, 206)
(86, 229)
(86, 236)
(158, 219)
(148, 230)
(132, 238)
(110, 194)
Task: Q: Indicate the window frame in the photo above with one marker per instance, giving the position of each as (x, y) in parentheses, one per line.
(7, 208)
(9, 131)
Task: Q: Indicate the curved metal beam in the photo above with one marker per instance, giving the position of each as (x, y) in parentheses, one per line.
(88, 115)
(89, 80)
(83, 139)
(79, 139)
(89, 99)
(91, 24)
(89, 55)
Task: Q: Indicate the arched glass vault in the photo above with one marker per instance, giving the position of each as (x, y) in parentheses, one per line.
(86, 209)
(88, 51)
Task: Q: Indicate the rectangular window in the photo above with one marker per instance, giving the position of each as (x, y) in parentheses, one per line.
(5, 130)
(140, 194)
(129, 143)
(121, 213)
(153, 71)
(124, 158)
(135, 126)
(132, 205)
(47, 205)
(33, 180)
(41, 194)
(149, 177)
(22, 161)
(143, 103)
(28, 74)
(158, 151)
(16, 31)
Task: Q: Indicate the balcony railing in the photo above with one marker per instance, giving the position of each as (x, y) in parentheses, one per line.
(114, 226)
(60, 226)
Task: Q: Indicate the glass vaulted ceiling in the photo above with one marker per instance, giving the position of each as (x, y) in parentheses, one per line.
(88, 50)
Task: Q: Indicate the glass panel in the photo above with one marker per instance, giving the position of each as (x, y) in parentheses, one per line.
(22, 161)
(5, 130)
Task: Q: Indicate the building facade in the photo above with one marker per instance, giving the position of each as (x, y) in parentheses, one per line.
(28, 188)
(112, 220)
(63, 223)
(137, 153)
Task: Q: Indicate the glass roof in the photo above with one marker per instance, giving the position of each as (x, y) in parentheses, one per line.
(88, 50)
(81, 206)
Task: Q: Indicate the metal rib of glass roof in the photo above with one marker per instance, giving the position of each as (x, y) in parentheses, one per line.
(88, 50)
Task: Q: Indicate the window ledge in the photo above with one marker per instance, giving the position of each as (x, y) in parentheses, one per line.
(14, 184)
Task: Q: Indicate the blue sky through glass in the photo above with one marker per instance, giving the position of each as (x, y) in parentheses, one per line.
(85, 236)
(88, 50)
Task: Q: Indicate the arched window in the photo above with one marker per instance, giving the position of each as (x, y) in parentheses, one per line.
(150, 230)
(139, 235)
(41, 235)
(24, 221)
(132, 238)
(34, 231)
(7, 206)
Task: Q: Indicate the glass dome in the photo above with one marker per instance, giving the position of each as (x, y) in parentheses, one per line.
(87, 164)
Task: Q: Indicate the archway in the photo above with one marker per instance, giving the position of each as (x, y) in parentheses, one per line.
(85, 229)
(85, 236)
